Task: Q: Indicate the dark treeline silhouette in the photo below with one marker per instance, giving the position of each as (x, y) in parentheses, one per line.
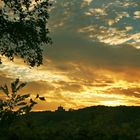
(92, 123)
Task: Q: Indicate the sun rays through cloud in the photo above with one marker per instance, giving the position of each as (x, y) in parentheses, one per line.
(94, 59)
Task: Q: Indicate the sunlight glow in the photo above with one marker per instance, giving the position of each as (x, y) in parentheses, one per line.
(112, 103)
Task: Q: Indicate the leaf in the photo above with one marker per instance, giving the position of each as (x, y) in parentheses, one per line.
(16, 82)
(25, 96)
(22, 103)
(5, 89)
(21, 86)
(33, 102)
(13, 87)
(23, 108)
(21, 98)
(42, 98)
(37, 96)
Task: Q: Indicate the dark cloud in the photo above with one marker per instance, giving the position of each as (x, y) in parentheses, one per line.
(71, 87)
(135, 92)
(69, 46)
(39, 87)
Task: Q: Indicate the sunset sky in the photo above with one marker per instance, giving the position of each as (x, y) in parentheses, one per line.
(94, 58)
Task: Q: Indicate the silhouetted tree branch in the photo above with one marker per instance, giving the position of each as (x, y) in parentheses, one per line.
(23, 29)
(13, 104)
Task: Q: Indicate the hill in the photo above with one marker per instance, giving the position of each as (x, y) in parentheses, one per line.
(92, 123)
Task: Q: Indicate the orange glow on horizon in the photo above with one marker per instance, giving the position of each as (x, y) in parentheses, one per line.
(76, 88)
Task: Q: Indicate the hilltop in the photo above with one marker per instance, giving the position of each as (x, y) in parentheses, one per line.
(92, 123)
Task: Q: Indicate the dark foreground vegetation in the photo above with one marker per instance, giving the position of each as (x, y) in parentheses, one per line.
(93, 123)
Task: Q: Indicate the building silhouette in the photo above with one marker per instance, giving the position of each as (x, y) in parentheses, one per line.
(60, 109)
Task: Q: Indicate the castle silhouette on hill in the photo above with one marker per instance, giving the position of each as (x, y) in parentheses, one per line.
(60, 109)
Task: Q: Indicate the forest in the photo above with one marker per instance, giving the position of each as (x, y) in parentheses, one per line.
(92, 123)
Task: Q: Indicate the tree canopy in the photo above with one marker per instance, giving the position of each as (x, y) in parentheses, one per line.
(23, 29)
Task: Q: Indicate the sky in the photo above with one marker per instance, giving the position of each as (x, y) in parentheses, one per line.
(94, 58)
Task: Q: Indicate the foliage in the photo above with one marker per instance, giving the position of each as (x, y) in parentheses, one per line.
(13, 104)
(23, 29)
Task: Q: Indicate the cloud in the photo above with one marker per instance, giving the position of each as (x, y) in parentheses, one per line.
(70, 86)
(137, 14)
(109, 20)
(96, 12)
(27, 74)
(69, 46)
(132, 91)
(94, 58)
(86, 3)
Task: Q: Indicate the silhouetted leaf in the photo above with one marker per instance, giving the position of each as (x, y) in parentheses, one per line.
(42, 98)
(5, 89)
(32, 101)
(21, 86)
(13, 87)
(16, 82)
(37, 95)
(22, 103)
(23, 108)
(22, 97)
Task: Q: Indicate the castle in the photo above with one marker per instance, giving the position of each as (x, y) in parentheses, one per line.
(60, 109)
